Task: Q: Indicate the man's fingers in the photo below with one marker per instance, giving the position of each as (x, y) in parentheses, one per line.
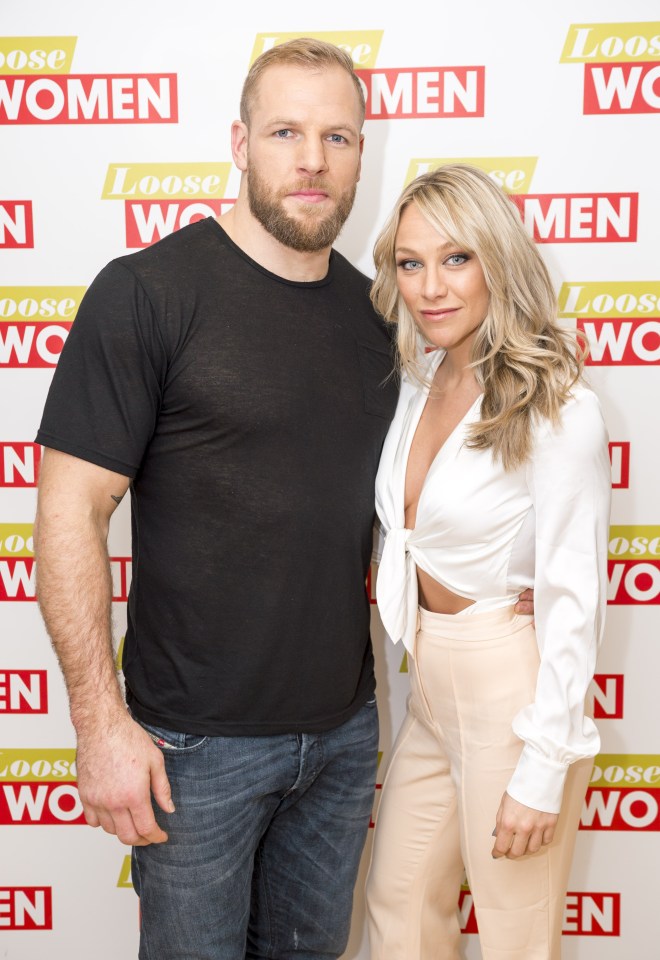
(524, 608)
(135, 826)
(138, 827)
(116, 780)
(90, 816)
(160, 787)
(106, 821)
(146, 825)
(125, 828)
(525, 605)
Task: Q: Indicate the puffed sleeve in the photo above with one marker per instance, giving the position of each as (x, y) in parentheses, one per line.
(570, 485)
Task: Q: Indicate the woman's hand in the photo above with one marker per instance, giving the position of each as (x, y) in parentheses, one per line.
(520, 829)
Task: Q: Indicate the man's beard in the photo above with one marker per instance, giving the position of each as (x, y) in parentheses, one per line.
(307, 234)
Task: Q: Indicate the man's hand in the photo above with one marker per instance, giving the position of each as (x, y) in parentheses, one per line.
(118, 769)
(520, 829)
(118, 765)
(525, 605)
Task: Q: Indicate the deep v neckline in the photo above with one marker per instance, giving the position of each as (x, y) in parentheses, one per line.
(410, 438)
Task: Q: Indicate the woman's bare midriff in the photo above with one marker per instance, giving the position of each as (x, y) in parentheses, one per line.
(443, 411)
(436, 598)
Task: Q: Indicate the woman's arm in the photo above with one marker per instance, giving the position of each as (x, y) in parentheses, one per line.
(570, 485)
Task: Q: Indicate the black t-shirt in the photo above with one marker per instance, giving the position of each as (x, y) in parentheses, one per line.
(250, 413)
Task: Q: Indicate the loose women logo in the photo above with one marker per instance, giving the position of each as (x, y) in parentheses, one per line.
(17, 573)
(634, 565)
(39, 787)
(19, 464)
(621, 73)
(125, 880)
(23, 691)
(36, 54)
(16, 225)
(160, 198)
(26, 908)
(395, 93)
(615, 318)
(551, 217)
(513, 174)
(579, 217)
(585, 914)
(35, 89)
(34, 324)
(623, 793)
(362, 45)
(620, 461)
(399, 93)
(607, 690)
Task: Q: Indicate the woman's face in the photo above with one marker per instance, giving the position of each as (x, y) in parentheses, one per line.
(442, 285)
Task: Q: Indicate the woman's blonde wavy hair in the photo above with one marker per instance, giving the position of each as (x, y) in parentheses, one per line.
(523, 359)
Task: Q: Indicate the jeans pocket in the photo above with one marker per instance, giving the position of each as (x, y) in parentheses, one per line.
(172, 741)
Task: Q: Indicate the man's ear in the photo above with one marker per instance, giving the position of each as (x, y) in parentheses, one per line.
(359, 169)
(239, 142)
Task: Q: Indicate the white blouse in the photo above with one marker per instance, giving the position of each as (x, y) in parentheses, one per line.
(487, 534)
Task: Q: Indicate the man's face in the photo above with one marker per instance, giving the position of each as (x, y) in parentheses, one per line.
(303, 154)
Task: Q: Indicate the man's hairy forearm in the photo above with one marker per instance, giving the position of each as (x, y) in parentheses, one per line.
(74, 588)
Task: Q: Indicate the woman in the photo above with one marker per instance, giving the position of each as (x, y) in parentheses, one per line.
(494, 477)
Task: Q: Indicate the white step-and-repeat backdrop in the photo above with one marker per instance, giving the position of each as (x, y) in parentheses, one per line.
(114, 131)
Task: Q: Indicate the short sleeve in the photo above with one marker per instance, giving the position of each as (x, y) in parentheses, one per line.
(103, 402)
(570, 485)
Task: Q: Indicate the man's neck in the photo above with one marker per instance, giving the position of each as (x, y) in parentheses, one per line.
(254, 240)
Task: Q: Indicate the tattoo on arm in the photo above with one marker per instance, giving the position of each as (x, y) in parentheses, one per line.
(117, 499)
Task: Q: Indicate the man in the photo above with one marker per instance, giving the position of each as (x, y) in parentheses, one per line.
(235, 377)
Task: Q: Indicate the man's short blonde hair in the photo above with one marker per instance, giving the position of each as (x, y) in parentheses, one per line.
(303, 52)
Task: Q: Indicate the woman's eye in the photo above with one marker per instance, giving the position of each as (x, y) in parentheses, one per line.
(456, 259)
(409, 264)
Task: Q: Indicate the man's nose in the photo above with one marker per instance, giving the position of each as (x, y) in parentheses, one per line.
(311, 158)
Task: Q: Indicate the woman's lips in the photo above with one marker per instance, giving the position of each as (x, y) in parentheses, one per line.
(438, 314)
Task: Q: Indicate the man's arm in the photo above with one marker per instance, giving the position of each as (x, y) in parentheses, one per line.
(117, 762)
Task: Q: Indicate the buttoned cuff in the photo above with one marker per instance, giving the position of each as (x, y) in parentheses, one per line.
(538, 781)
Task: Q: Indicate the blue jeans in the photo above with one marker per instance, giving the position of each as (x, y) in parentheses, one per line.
(264, 845)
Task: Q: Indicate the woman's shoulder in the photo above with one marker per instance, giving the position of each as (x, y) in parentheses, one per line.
(580, 430)
(582, 404)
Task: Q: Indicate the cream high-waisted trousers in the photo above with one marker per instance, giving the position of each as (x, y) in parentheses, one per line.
(450, 766)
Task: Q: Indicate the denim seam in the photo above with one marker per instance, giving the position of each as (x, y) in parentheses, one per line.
(267, 897)
(143, 935)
